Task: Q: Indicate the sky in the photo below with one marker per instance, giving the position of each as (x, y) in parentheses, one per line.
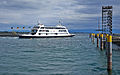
(74, 14)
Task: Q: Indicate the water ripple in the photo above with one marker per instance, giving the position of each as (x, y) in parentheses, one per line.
(54, 56)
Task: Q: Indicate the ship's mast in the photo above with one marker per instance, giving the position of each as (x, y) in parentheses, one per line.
(60, 23)
(38, 22)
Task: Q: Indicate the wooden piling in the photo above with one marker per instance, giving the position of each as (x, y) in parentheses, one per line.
(90, 35)
(109, 72)
(101, 41)
(93, 38)
(106, 43)
(109, 54)
(98, 40)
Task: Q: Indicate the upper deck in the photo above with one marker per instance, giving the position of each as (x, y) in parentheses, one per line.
(41, 26)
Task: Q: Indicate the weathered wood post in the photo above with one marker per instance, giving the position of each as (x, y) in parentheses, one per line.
(109, 54)
(93, 38)
(101, 41)
(106, 43)
(110, 72)
(90, 35)
(98, 40)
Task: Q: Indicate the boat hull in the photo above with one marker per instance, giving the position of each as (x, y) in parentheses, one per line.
(45, 36)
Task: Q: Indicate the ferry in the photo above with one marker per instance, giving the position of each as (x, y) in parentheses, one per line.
(41, 31)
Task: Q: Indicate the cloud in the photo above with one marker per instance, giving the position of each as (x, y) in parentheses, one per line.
(20, 10)
(75, 12)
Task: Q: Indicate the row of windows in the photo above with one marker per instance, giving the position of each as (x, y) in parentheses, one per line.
(62, 30)
(52, 28)
(48, 30)
(43, 30)
(51, 33)
(46, 33)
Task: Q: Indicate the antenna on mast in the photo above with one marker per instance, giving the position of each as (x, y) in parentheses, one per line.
(38, 21)
(60, 22)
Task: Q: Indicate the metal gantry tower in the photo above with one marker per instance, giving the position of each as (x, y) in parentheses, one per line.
(107, 19)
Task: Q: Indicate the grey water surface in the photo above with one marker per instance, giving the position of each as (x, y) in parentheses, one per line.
(54, 56)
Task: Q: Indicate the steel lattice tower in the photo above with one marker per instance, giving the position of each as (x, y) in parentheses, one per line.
(107, 19)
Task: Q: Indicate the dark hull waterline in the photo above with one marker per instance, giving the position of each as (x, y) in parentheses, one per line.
(45, 36)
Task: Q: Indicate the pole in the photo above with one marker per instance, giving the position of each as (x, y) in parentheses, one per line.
(98, 40)
(90, 35)
(101, 41)
(93, 38)
(109, 56)
(106, 44)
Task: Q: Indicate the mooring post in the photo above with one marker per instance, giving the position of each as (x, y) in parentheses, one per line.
(90, 35)
(101, 41)
(106, 43)
(93, 38)
(98, 40)
(109, 54)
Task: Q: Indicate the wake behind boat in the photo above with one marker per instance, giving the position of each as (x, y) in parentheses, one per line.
(41, 31)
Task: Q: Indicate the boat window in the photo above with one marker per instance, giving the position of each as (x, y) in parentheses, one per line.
(39, 33)
(47, 30)
(33, 33)
(36, 27)
(40, 30)
(54, 28)
(42, 27)
(34, 30)
(62, 30)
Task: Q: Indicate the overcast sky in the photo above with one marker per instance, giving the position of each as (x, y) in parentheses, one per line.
(75, 14)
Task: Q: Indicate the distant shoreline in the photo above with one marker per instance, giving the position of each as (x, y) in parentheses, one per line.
(16, 34)
(11, 34)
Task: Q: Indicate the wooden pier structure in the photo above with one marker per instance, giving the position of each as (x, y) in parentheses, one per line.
(105, 37)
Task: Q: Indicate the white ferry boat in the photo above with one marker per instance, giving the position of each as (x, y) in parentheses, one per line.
(41, 31)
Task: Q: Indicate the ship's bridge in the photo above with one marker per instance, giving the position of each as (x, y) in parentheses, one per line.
(61, 26)
(41, 25)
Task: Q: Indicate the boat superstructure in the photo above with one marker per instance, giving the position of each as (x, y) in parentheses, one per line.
(41, 31)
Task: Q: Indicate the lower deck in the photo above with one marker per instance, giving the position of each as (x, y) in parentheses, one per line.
(46, 36)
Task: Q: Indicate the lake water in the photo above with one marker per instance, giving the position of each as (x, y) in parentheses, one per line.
(54, 56)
